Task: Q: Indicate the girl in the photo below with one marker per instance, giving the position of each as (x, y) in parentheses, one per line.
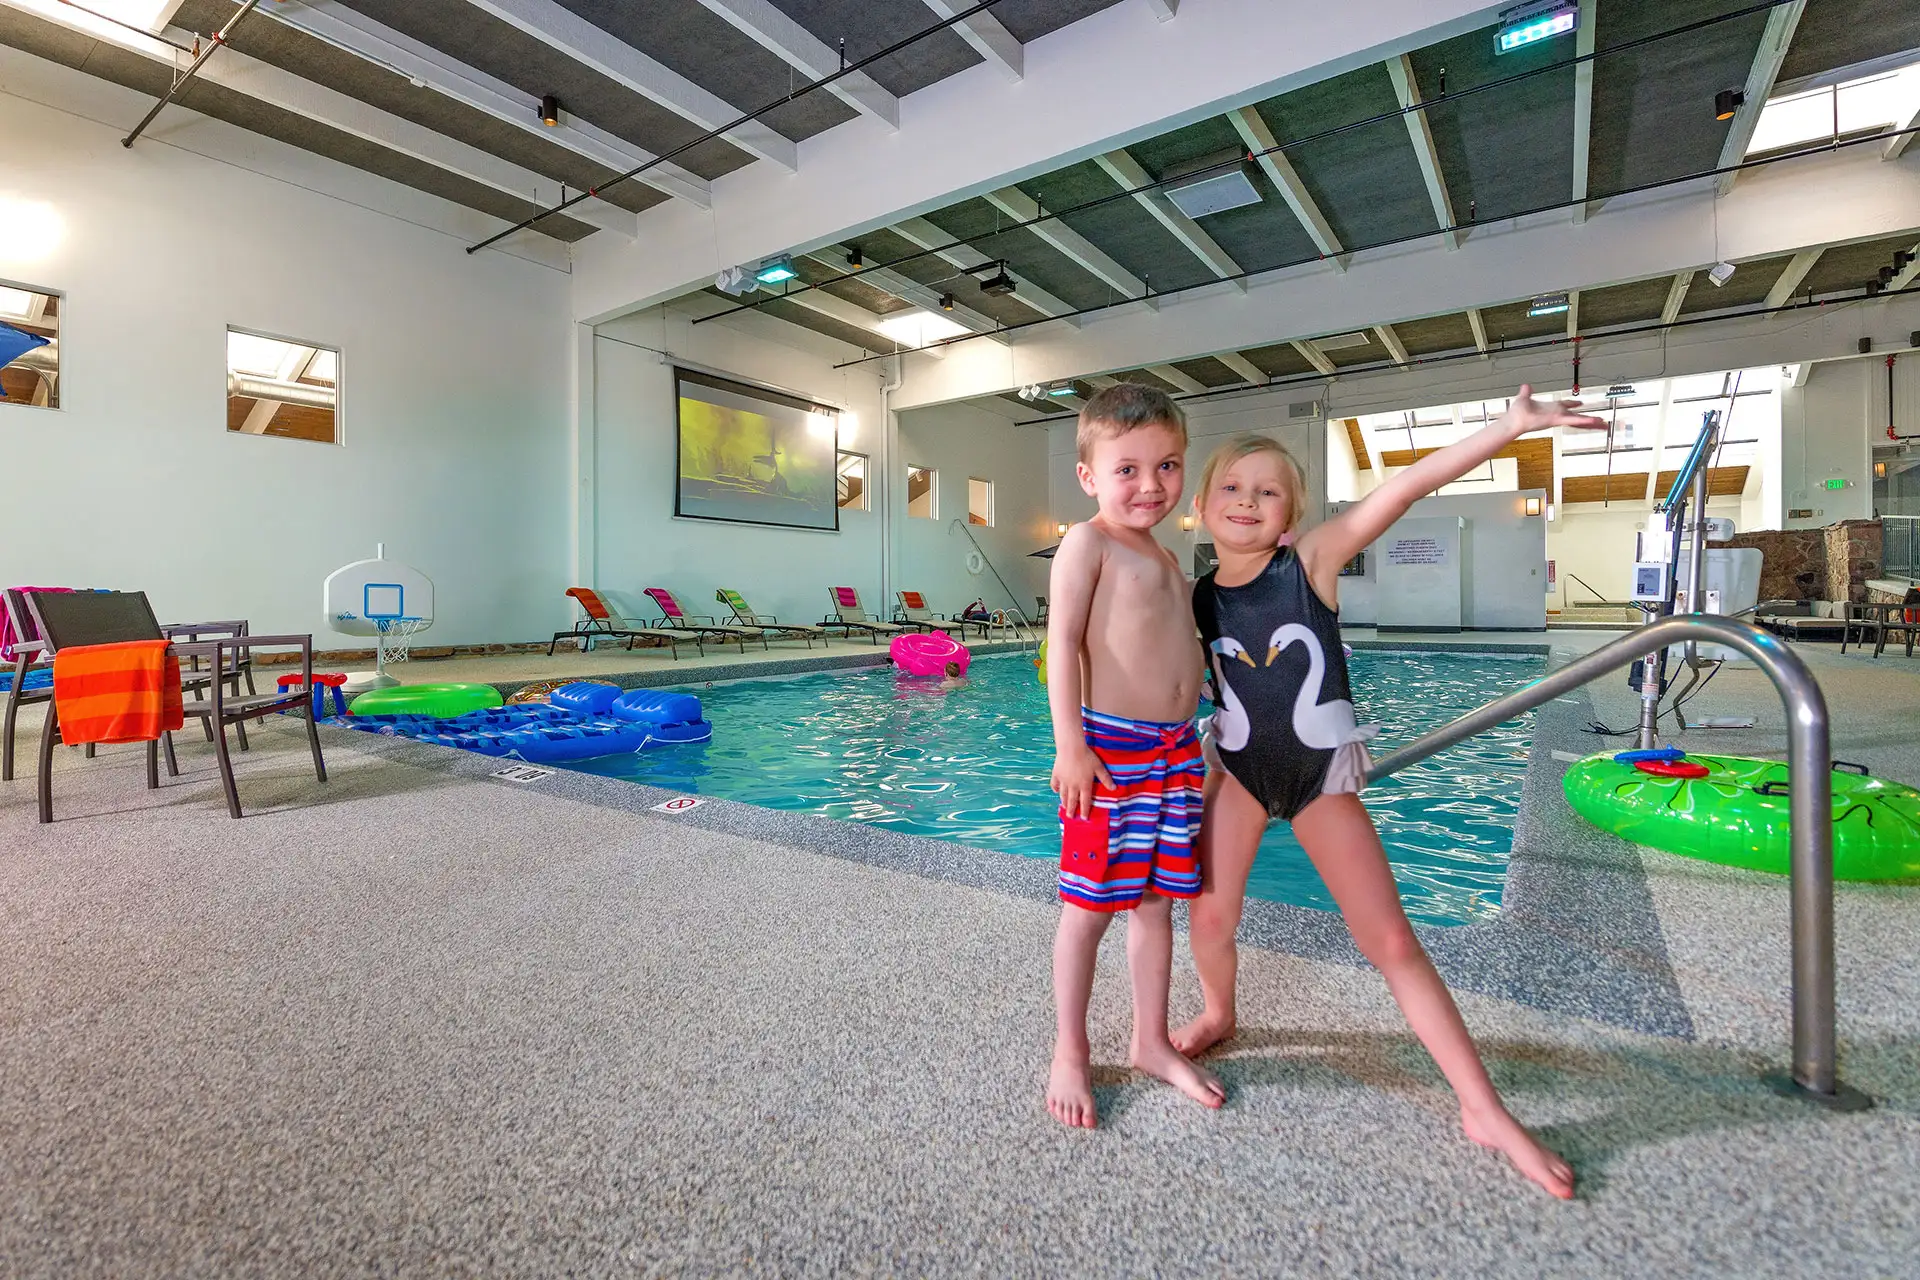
(1269, 618)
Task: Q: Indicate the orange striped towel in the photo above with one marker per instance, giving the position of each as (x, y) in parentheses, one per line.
(126, 692)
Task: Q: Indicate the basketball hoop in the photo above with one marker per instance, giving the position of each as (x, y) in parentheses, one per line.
(396, 636)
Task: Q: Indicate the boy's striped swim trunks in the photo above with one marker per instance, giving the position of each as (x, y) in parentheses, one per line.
(1140, 833)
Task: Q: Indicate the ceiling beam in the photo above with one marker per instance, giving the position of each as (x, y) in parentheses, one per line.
(1573, 313)
(834, 307)
(1165, 10)
(1021, 207)
(562, 29)
(926, 235)
(987, 37)
(1313, 355)
(1407, 88)
(1245, 368)
(1903, 132)
(344, 29)
(237, 73)
(800, 49)
(1253, 131)
(1790, 279)
(1583, 105)
(1168, 374)
(1101, 381)
(1391, 341)
(1909, 273)
(923, 296)
(1781, 22)
(1676, 295)
(1479, 326)
(1125, 170)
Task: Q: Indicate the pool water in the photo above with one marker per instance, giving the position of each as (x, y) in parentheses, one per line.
(971, 766)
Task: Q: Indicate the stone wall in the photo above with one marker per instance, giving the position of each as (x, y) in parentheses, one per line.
(1833, 563)
(1853, 556)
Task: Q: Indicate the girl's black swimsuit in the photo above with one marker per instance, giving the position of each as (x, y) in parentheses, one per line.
(1284, 710)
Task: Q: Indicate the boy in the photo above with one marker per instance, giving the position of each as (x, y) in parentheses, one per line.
(1123, 677)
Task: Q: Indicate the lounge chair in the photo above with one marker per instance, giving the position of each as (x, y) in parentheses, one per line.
(848, 617)
(602, 623)
(81, 618)
(744, 615)
(913, 608)
(701, 625)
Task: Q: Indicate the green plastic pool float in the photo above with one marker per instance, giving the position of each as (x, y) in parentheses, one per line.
(1734, 817)
(426, 700)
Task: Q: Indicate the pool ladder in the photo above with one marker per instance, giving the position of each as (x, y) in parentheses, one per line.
(1813, 1076)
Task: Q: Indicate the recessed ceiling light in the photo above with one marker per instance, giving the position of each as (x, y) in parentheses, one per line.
(916, 328)
(1342, 341)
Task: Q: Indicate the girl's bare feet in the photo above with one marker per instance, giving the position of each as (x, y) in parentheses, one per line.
(1204, 1032)
(1070, 1092)
(1523, 1151)
(1165, 1062)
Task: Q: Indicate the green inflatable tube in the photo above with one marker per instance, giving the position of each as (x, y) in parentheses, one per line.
(426, 700)
(1725, 817)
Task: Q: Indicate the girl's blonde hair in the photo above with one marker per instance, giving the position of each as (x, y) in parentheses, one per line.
(1291, 479)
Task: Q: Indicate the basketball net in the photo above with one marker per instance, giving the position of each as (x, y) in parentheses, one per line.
(396, 635)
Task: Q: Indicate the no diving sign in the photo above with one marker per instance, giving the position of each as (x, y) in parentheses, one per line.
(680, 804)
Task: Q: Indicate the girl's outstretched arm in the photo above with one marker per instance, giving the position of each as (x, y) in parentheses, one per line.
(1325, 548)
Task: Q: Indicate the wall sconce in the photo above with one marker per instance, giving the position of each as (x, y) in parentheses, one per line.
(1879, 471)
(1533, 506)
(1186, 523)
(1060, 530)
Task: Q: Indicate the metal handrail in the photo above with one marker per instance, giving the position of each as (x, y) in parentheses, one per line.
(1810, 809)
(1016, 611)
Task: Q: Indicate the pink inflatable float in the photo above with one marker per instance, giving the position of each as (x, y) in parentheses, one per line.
(927, 654)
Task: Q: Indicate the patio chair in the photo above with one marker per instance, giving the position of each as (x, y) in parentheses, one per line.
(1906, 622)
(1040, 618)
(913, 609)
(88, 618)
(744, 615)
(701, 625)
(602, 623)
(848, 617)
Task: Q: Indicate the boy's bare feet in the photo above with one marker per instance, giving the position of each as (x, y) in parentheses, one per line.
(1070, 1092)
(1204, 1032)
(1523, 1151)
(1164, 1062)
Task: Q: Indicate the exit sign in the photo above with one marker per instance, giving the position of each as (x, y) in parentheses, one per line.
(1836, 483)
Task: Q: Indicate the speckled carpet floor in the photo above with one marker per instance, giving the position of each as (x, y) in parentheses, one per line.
(421, 1022)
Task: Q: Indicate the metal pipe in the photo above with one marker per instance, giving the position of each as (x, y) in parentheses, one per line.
(1697, 545)
(214, 42)
(1810, 804)
(305, 393)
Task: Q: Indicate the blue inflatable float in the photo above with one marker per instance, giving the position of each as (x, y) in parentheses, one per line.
(579, 722)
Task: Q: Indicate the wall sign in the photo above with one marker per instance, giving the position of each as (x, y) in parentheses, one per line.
(1416, 551)
(680, 804)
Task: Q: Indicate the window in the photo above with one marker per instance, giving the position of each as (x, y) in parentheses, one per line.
(277, 387)
(29, 347)
(980, 502)
(852, 470)
(923, 492)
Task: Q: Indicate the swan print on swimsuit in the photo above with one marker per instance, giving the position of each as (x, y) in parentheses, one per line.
(1290, 713)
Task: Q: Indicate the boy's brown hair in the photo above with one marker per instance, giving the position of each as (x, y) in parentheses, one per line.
(1245, 446)
(1124, 407)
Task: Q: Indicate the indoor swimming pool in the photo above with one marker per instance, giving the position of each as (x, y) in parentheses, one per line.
(971, 766)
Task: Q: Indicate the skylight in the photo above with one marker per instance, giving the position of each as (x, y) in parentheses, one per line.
(15, 303)
(147, 15)
(262, 357)
(917, 328)
(1858, 106)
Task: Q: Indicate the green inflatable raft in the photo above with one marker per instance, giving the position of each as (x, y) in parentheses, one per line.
(426, 700)
(1737, 814)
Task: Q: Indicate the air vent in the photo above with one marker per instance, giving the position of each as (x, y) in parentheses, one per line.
(1304, 409)
(1212, 185)
(1342, 341)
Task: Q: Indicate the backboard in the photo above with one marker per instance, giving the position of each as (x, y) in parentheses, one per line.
(358, 597)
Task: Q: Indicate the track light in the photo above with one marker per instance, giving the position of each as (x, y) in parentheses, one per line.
(1719, 273)
(1728, 101)
(550, 111)
(853, 256)
(946, 302)
(1902, 258)
(777, 270)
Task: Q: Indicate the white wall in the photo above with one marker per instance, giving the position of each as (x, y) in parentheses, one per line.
(1829, 427)
(1596, 544)
(454, 402)
(960, 442)
(1503, 562)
